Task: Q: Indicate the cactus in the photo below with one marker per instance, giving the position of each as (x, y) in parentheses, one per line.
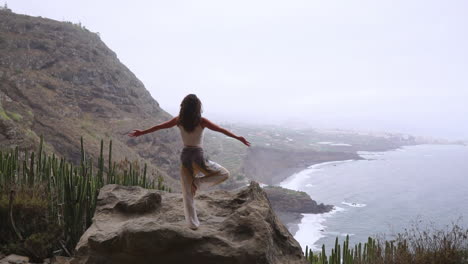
(373, 252)
(71, 190)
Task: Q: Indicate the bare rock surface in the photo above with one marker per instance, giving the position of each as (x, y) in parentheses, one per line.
(136, 225)
(14, 259)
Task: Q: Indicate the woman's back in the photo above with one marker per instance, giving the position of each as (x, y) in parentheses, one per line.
(194, 138)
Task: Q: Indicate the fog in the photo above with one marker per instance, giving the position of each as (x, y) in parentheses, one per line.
(397, 66)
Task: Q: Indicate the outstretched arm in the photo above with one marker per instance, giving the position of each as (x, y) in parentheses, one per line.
(208, 124)
(164, 125)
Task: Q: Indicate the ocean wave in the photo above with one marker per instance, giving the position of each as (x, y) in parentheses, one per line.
(295, 181)
(312, 228)
(334, 144)
(324, 164)
(339, 234)
(341, 145)
(354, 204)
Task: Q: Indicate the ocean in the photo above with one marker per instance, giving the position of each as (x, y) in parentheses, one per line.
(384, 194)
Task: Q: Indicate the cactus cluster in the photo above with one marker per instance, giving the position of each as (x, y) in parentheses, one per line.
(439, 246)
(71, 191)
(372, 253)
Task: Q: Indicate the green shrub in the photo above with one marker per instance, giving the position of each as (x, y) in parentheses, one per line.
(15, 116)
(3, 114)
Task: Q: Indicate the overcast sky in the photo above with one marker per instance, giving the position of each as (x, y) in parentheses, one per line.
(398, 66)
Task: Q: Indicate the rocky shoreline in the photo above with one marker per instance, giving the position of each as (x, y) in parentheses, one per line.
(289, 205)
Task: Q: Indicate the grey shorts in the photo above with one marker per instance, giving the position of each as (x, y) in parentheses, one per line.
(194, 161)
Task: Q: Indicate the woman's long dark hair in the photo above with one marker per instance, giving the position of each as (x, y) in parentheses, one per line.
(190, 112)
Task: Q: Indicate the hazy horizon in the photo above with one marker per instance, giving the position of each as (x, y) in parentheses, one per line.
(393, 66)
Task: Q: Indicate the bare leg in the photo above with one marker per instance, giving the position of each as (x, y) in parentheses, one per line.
(215, 174)
(190, 212)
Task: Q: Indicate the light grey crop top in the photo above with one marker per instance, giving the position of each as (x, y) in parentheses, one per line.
(194, 138)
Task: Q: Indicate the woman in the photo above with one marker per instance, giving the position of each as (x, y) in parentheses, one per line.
(191, 125)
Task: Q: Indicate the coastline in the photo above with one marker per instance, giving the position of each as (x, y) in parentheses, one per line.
(311, 224)
(290, 205)
(293, 221)
(272, 166)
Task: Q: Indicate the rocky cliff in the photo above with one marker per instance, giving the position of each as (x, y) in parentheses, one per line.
(61, 81)
(134, 225)
(289, 205)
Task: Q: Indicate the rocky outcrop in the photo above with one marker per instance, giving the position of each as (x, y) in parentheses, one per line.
(135, 225)
(286, 200)
(289, 205)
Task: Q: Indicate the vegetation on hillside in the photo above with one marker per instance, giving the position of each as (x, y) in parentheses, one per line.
(60, 80)
(47, 203)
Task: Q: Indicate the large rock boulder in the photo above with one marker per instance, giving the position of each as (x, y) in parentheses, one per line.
(135, 225)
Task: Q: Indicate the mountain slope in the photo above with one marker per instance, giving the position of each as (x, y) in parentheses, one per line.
(59, 80)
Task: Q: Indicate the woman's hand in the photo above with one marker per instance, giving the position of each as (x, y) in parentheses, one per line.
(243, 140)
(136, 133)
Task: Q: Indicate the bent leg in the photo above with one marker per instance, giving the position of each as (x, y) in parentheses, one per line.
(214, 174)
(186, 178)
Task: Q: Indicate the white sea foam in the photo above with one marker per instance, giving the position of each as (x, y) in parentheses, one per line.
(295, 181)
(334, 144)
(312, 228)
(324, 164)
(354, 204)
(335, 234)
(325, 143)
(370, 153)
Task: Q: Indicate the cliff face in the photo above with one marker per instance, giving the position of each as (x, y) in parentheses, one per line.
(285, 200)
(289, 206)
(61, 81)
(134, 225)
